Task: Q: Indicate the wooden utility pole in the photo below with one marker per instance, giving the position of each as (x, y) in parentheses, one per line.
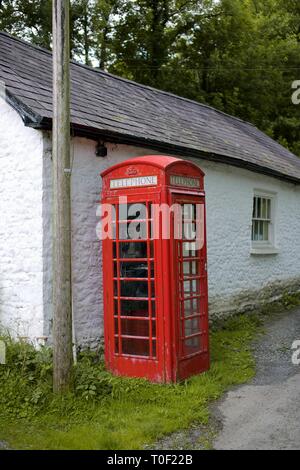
(62, 286)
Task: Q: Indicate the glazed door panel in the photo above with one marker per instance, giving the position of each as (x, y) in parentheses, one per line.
(190, 266)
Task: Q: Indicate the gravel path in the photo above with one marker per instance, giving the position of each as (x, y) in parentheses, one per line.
(265, 414)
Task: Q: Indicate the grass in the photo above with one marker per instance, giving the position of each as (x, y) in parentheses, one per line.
(106, 412)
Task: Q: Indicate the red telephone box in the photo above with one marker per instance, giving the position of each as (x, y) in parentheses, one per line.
(154, 269)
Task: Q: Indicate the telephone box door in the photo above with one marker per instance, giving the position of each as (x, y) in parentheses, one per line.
(191, 304)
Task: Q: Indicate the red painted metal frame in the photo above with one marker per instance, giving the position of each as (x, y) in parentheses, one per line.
(167, 360)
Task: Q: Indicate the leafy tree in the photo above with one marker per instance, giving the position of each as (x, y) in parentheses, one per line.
(30, 19)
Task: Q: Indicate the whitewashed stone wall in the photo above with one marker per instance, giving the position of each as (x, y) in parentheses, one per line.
(21, 234)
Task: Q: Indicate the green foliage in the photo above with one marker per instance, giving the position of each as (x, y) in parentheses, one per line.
(108, 412)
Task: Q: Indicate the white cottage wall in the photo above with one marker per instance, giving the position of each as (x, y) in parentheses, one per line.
(21, 234)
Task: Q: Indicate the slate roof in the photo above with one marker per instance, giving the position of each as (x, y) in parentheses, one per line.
(120, 110)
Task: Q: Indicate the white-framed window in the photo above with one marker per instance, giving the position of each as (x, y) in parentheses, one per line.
(263, 223)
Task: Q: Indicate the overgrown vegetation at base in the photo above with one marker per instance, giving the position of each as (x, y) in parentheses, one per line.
(107, 412)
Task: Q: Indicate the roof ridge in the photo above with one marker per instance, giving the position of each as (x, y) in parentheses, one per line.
(25, 42)
(126, 80)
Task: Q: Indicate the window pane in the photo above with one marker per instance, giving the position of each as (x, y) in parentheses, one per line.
(254, 208)
(258, 213)
(189, 249)
(191, 287)
(153, 328)
(192, 345)
(190, 268)
(134, 289)
(116, 326)
(154, 348)
(189, 230)
(191, 326)
(261, 230)
(133, 250)
(256, 230)
(135, 347)
(132, 211)
(133, 269)
(136, 308)
(191, 307)
(153, 308)
(133, 231)
(266, 231)
(135, 327)
(189, 211)
(269, 209)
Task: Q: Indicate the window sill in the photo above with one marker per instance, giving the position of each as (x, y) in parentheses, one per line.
(264, 250)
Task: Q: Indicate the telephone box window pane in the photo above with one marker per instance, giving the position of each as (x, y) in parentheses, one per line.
(188, 226)
(190, 268)
(133, 211)
(196, 305)
(114, 231)
(135, 308)
(195, 286)
(115, 288)
(189, 230)
(191, 287)
(188, 310)
(153, 309)
(134, 269)
(152, 289)
(191, 307)
(153, 328)
(192, 345)
(191, 326)
(133, 250)
(114, 249)
(186, 286)
(115, 307)
(117, 345)
(133, 231)
(135, 327)
(189, 249)
(135, 347)
(151, 249)
(116, 326)
(134, 289)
